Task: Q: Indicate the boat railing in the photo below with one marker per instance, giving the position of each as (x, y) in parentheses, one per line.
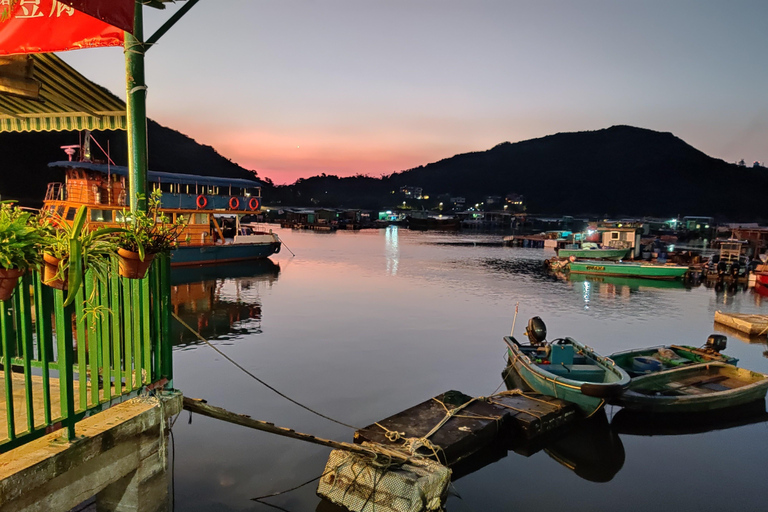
(63, 363)
(55, 192)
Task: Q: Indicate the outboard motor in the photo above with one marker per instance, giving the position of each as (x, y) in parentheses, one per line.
(716, 343)
(536, 331)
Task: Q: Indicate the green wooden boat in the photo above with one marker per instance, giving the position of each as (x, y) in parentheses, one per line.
(565, 369)
(694, 388)
(626, 269)
(643, 361)
(594, 253)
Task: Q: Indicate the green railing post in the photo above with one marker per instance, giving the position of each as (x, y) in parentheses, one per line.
(24, 326)
(43, 311)
(166, 359)
(66, 360)
(6, 332)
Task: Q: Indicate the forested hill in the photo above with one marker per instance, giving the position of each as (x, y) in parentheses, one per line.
(620, 170)
(24, 158)
(616, 171)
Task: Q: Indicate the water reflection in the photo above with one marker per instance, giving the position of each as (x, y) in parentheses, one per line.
(591, 449)
(392, 249)
(218, 301)
(640, 424)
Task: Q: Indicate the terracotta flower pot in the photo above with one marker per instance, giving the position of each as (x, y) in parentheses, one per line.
(8, 280)
(50, 269)
(131, 266)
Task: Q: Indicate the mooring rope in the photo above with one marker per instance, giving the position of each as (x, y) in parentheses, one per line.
(225, 356)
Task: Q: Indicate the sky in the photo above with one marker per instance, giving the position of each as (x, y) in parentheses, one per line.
(296, 88)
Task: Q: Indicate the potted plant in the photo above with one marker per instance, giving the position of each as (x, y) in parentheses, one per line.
(20, 241)
(71, 250)
(144, 235)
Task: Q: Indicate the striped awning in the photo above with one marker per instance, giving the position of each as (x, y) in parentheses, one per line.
(52, 96)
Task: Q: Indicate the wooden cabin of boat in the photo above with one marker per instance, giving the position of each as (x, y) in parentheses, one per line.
(200, 199)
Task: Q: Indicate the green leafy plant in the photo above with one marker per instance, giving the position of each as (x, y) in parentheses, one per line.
(150, 232)
(79, 250)
(20, 238)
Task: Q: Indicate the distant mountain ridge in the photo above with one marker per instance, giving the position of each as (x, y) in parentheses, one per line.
(616, 171)
(621, 170)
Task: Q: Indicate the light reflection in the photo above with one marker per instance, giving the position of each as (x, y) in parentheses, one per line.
(586, 293)
(392, 250)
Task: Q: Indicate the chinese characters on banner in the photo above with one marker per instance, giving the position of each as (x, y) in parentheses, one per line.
(39, 26)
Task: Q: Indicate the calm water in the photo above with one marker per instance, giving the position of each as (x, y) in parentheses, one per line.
(363, 325)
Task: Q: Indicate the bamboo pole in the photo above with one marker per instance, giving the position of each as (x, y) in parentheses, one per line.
(201, 407)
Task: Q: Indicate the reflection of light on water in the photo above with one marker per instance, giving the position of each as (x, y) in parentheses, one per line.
(392, 250)
(586, 293)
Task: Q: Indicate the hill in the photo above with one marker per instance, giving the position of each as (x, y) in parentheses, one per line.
(617, 171)
(621, 170)
(25, 158)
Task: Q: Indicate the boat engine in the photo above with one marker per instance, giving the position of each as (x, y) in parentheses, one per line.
(536, 331)
(716, 342)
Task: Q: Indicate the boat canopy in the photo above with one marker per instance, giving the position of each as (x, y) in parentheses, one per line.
(162, 177)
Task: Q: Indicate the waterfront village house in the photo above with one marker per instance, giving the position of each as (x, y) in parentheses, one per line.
(414, 192)
(694, 223)
(621, 235)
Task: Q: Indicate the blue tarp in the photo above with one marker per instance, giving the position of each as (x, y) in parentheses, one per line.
(162, 177)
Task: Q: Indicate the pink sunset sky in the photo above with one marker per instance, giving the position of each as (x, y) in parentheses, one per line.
(298, 88)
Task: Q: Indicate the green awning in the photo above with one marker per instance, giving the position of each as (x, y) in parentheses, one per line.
(67, 101)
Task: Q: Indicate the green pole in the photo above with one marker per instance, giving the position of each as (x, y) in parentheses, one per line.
(136, 110)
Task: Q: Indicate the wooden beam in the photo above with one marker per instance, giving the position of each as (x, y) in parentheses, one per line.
(201, 407)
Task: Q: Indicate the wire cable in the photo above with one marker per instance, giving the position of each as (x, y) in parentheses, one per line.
(225, 356)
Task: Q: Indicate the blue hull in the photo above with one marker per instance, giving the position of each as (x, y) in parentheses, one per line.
(214, 254)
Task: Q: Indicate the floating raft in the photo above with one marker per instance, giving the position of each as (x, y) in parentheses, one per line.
(452, 426)
(750, 324)
(435, 434)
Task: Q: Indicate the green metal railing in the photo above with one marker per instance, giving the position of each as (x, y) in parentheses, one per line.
(60, 364)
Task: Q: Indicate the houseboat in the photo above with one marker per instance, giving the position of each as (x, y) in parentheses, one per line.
(212, 206)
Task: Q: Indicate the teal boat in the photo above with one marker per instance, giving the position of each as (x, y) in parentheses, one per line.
(643, 361)
(594, 253)
(565, 369)
(693, 388)
(626, 269)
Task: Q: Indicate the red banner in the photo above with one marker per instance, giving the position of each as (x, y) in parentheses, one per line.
(42, 26)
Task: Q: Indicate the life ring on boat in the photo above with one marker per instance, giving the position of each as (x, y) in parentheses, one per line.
(234, 203)
(253, 204)
(202, 201)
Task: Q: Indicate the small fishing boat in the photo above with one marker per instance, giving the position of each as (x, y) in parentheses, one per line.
(564, 368)
(694, 388)
(643, 361)
(626, 269)
(592, 251)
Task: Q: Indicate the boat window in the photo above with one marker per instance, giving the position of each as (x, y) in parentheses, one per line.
(60, 210)
(71, 213)
(101, 215)
(120, 216)
(198, 218)
(615, 235)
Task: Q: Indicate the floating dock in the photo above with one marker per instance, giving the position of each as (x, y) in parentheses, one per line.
(753, 325)
(435, 435)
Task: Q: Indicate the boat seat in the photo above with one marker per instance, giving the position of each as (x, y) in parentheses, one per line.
(561, 354)
(585, 372)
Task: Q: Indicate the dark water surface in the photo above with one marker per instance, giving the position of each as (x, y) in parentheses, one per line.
(362, 325)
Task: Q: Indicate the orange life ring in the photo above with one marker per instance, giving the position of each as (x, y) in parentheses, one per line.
(202, 201)
(234, 203)
(253, 204)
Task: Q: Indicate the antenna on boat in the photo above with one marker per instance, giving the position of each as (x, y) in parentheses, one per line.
(517, 306)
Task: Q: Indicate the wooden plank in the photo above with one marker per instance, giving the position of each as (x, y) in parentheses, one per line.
(201, 407)
(472, 427)
(533, 414)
